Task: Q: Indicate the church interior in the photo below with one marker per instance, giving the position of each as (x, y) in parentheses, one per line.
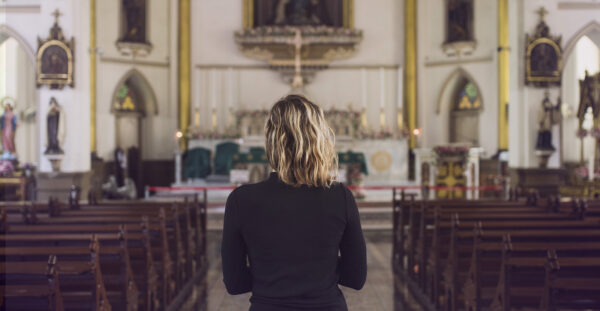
(467, 130)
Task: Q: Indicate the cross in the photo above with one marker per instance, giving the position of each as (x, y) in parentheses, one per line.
(56, 15)
(542, 12)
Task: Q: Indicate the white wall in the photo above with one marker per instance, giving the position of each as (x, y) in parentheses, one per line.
(566, 19)
(435, 69)
(156, 67)
(32, 19)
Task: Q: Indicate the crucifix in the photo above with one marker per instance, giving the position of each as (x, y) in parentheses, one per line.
(542, 12)
(298, 81)
(56, 15)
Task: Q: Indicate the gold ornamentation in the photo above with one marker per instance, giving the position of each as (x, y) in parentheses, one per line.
(543, 62)
(55, 58)
(381, 160)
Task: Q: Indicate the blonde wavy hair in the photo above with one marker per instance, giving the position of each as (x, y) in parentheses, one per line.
(300, 143)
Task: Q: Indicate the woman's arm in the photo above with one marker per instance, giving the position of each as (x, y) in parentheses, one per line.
(236, 273)
(353, 261)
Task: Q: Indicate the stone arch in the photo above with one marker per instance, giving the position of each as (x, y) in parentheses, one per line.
(143, 86)
(592, 30)
(449, 88)
(7, 32)
(27, 135)
(462, 126)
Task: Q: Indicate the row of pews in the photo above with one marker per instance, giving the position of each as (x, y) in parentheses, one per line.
(114, 256)
(524, 253)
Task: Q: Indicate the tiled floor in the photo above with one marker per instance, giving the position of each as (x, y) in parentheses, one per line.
(377, 294)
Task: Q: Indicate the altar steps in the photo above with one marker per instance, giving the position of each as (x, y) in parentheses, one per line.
(371, 218)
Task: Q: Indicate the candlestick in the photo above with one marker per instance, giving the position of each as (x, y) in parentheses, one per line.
(214, 119)
(382, 118)
(363, 118)
(196, 118)
(400, 120)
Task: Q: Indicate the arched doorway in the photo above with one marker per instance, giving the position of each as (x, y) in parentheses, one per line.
(460, 103)
(132, 100)
(17, 89)
(581, 54)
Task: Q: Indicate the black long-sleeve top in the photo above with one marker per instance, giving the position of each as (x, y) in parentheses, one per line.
(292, 246)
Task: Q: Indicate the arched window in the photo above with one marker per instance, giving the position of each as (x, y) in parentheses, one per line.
(459, 21)
(133, 21)
(464, 117)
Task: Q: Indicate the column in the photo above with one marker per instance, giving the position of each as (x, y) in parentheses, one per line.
(93, 76)
(410, 65)
(503, 74)
(184, 69)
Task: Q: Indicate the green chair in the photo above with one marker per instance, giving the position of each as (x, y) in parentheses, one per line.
(196, 163)
(224, 157)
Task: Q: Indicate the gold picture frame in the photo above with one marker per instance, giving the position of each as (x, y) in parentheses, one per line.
(543, 56)
(248, 14)
(54, 59)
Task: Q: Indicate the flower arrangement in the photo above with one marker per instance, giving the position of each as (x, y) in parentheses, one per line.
(451, 150)
(581, 133)
(6, 168)
(595, 132)
(230, 133)
(582, 172)
(381, 134)
(28, 166)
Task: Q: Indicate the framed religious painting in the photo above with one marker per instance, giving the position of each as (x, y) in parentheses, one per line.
(55, 59)
(543, 56)
(329, 13)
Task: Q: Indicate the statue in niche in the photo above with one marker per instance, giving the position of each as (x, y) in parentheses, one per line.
(134, 21)
(549, 116)
(8, 126)
(54, 128)
(459, 25)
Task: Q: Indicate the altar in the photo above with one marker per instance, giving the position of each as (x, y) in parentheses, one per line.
(381, 157)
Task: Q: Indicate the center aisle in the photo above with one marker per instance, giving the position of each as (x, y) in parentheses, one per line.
(377, 294)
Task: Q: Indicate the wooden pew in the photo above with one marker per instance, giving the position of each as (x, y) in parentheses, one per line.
(527, 281)
(88, 293)
(33, 296)
(486, 261)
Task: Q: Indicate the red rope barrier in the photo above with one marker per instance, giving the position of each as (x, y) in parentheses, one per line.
(405, 187)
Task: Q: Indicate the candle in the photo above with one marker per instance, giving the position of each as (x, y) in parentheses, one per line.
(381, 87)
(230, 87)
(399, 103)
(363, 74)
(213, 91)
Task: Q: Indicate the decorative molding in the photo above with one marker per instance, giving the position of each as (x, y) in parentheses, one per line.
(572, 5)
(460, 61)
(130, 61)
(332, 66)
(20, 8)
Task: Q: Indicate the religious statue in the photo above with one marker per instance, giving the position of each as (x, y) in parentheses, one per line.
(549, 116)
(8, 126)
(459, 25)
(134, 28)
(54, 128)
